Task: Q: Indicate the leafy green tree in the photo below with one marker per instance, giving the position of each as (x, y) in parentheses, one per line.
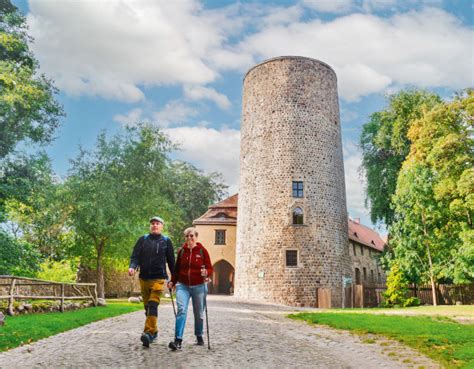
(17, 257)
(113, 191)
(28, 109)
(385, 145)
(443, 141)
(418, 221)
(192, 191)
(432, 232)
(42, 220)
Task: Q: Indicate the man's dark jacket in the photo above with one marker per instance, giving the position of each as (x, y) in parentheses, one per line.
(151, 253)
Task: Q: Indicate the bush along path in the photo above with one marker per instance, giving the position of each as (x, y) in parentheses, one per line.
(242, 335)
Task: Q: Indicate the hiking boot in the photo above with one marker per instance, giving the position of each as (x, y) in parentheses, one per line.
(200, 341)
(146, 339)
(175, 345)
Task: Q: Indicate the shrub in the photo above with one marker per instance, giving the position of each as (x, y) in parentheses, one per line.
(396, 294)
(58, 271)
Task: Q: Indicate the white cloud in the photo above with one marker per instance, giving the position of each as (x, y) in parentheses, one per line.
(115, 49)
(354, 182)
(428, 48)
(200, 92)
(281, 15)
(211, 150)
(132, 117)
(110, 49)
(173, 113)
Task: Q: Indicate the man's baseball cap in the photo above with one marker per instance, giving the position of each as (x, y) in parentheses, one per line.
(158, 219)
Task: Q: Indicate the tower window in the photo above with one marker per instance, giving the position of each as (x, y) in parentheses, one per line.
(298, 216)
(220, 237)
(297, 188)
(364, 270)
(354, 249)
(291, 258)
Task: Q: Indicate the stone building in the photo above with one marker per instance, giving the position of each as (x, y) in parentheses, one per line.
(292, 236)
(292, 220)
(365, 248)
(217, 230)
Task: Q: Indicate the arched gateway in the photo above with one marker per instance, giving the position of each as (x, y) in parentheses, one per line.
(223, 278)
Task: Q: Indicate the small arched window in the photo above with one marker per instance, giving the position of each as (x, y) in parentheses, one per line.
(297, 215)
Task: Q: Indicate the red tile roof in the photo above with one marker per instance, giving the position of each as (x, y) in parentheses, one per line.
(365, 235)
(224, 212)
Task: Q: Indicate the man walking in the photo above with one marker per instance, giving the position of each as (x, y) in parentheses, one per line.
(151, 253)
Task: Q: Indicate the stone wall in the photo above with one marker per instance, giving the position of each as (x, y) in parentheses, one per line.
(366, 257)
(291, 132)
(116, 284)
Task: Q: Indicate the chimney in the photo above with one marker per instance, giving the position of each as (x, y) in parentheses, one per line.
(357, 220)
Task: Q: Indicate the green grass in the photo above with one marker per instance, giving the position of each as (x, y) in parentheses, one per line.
(444, 340)
(20, 329)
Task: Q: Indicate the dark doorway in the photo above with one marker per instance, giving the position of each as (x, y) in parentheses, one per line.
(223, 278)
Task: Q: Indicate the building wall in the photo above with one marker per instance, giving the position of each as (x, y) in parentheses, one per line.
(366, 257)
(291, 132)
(218, 252)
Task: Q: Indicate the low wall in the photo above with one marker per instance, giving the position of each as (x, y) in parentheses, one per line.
(116, 284)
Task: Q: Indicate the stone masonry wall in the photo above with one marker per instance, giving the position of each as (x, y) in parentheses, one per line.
(365, 257)
(291, 132)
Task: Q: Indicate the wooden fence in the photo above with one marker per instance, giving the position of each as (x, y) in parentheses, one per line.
(22, 288)
(370, 295)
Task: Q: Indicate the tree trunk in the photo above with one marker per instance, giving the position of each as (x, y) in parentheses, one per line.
(100, 270)
(433, 285)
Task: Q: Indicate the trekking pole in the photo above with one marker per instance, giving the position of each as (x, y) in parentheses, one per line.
(207, 316)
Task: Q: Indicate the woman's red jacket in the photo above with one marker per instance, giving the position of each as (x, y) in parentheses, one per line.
(189, 264)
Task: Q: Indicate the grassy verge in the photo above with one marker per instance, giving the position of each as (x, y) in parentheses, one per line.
(438, 337)
(22, 329)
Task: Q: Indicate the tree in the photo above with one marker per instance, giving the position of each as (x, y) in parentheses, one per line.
(28, 109)
(20, 176)
(18, 258)
(418, 219)
(385, 145)
(192, 191)
(113, 191)
(443, 141)
(432, 232)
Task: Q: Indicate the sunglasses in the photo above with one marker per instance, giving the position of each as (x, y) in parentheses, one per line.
(189, 235)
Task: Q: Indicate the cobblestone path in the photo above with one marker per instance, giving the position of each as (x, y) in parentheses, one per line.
(243, 335)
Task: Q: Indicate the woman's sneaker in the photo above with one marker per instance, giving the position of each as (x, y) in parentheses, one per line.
(200, 341)
(175, 345)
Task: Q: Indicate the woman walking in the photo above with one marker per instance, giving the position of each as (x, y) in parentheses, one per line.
(193, 265)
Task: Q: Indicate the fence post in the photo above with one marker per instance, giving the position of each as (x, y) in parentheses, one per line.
(11, 310)
(95, 294)
(62, 298)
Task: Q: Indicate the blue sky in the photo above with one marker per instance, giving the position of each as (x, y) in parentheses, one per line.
(180, 64)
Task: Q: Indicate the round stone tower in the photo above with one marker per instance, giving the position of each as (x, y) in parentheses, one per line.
(292, 240)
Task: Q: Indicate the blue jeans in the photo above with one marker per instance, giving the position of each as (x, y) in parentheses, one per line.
(197, 294)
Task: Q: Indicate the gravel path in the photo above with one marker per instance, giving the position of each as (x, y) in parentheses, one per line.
(243, 335)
